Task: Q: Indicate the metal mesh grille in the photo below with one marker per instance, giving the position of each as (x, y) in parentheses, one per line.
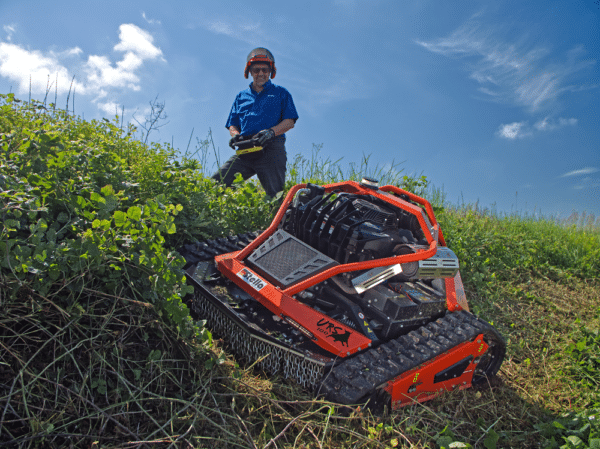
(285, 258)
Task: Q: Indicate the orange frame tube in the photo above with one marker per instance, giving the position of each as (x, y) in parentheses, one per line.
(354, 187)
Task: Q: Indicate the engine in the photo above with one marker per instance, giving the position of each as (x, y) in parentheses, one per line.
(350, 228)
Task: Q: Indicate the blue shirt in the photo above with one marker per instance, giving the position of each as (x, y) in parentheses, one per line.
(254, 111)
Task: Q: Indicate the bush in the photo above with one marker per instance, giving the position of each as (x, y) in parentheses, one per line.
(73, 218)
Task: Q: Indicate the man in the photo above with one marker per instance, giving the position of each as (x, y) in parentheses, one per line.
(265, 111)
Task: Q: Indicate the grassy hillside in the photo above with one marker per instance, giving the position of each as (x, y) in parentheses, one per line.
(97, 348)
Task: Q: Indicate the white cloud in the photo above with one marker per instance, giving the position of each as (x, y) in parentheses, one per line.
(516, 130)
(581, 171)
(112, 108)
(548, 124)
(73, 51)
(522, 129)
(543, 125)
(33, 69)
(9, 30)
(41, 72)
(101, 74)
(130, 62)
(583, 180)
(587, 183)
(222, 28)
(138, 47)
(150, 21)
(138, 41)
(567, 121)
(535, 91)
(509, 72)
(242, 30)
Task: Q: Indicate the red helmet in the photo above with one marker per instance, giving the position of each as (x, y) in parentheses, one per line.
(262, 55)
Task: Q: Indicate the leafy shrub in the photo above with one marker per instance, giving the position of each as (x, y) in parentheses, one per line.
(74, 219)
(586, 355)
(571, 431)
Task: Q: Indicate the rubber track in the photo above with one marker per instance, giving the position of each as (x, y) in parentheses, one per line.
(203, 251)
(357, 378)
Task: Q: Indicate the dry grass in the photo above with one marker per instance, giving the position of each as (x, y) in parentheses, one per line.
(108, 371)
(105, 370)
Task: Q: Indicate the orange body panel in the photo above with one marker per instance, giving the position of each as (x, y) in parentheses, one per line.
(418, 385)
(455, 294)
(328, 333)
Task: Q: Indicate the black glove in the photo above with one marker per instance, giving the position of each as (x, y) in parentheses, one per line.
(264, 136)
(235, 139)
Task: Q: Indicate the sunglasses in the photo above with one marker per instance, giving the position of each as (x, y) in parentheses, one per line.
(256, 70)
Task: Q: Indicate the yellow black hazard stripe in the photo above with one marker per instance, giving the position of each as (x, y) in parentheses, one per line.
(248, 150)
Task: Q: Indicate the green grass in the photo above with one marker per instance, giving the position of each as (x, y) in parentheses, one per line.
(97, 348)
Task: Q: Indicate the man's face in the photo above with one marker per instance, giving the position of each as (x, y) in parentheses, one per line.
(260, 73)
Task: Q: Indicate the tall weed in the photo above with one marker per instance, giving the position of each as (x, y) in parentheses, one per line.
(322, 170)
(493, 249)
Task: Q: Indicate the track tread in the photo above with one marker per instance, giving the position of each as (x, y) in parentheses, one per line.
(207, 250)
(389, 360)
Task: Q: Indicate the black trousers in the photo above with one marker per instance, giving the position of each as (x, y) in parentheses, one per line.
(269, 167)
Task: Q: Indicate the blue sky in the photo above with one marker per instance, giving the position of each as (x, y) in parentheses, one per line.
(496, 102)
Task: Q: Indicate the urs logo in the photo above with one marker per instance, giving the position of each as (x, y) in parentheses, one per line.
(342, 338)
(333, 331)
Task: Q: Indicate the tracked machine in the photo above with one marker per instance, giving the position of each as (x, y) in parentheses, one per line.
(351, 292)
